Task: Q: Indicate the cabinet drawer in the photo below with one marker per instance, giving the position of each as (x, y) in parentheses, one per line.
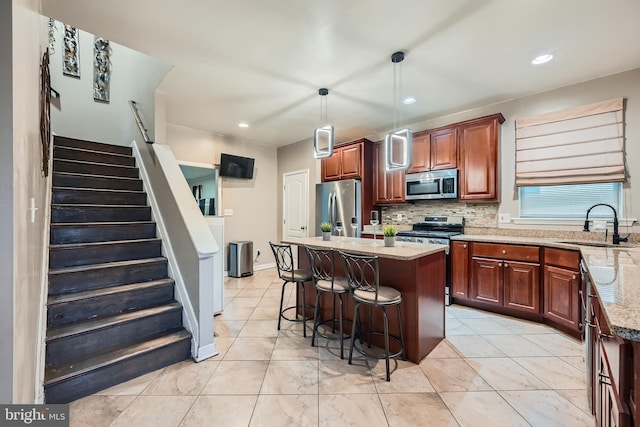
(562, 258)
(502, 251)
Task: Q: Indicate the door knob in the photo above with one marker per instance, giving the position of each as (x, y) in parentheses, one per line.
(303, 228)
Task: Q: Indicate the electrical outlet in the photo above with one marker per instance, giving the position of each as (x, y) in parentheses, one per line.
(398, 217)
(504, 218)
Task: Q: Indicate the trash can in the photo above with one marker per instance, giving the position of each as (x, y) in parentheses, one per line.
(241, 258)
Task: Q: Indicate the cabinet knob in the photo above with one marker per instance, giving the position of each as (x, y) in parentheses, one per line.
(499, 264)
(504, 251)
(464, 246)
(573, 277)
(506, 265)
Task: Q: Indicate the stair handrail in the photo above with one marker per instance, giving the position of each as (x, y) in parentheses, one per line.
(136, 116)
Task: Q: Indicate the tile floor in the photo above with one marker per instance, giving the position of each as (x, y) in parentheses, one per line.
(490, 371)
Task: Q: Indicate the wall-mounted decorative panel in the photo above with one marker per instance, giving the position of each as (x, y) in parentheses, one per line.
(101, 69)
(71, 52)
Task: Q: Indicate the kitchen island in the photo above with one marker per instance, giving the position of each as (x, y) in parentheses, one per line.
(415, 269)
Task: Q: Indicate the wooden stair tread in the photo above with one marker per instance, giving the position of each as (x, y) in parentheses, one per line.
(82, 175)
(95, 163)
(56, 374)
(111, 290)
(97, 190)
(64, 141)
(78, 328)
(90, 205)
(79, 268)
(87, 150)
(105, 243)
(98, 224)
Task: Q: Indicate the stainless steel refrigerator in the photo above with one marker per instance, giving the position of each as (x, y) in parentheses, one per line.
(339, 201)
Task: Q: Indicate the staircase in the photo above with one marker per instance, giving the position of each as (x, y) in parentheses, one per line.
(111, 312)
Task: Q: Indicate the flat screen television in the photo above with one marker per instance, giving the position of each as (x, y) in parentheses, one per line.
(236, 166)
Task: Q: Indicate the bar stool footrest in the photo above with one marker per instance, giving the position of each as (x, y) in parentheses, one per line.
(359, 347)
(298, 318)
(334, 335)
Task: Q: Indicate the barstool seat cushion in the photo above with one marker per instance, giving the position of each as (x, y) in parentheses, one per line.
(386, 295)
(298, 276)
(340, 285)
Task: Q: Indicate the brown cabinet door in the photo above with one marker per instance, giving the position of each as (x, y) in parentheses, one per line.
(330, 167)
(395, 186)
(443, 149)
(421, 154)
(379, 175)
(352, 162)
(522, 286)
(561, 296)
(460, 269)
(478, 161)
(486, 280)
(388, 187)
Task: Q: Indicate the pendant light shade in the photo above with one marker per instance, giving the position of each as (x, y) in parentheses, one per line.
(398, 144)
(323, 135)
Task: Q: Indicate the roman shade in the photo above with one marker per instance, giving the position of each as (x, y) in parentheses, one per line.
(577, 145)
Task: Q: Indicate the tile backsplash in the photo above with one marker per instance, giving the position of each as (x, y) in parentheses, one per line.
(480, 218)
(481, 215)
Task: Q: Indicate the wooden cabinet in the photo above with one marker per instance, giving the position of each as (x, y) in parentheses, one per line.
(505, 276)
(353, 160)
(444, 150)
(434, 150)
(347, 162)
(388, 187)
(478, 159)
(562, 284)
(611, 372)
(459, 269)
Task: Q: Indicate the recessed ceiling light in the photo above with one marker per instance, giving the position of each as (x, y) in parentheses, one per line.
(409, 100)
(243, 125)
(542, 59)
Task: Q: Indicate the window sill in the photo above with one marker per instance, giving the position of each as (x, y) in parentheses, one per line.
(623, 222)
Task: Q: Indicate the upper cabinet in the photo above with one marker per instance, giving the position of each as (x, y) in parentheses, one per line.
(388, 187)
(478, 159)
(434, 150)
(347, 162)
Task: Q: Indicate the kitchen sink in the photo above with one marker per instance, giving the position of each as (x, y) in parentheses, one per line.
(597, 244)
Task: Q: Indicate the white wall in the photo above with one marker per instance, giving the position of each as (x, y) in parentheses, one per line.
(253, 202)
(6, 208)
(29, 238)
(134, 76)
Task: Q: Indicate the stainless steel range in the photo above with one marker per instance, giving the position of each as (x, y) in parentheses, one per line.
(436, 230)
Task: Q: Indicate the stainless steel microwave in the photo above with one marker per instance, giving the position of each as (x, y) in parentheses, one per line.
(440, 184)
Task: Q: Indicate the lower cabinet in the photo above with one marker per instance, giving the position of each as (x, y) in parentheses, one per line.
(562, 288)
(506, 283)
(561, 296)
(460, 269)
(505, 276)
(611, 373)
(541, 283)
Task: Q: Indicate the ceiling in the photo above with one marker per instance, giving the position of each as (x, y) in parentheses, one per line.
(262, 62)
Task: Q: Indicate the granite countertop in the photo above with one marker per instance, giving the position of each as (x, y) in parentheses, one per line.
(405, 251)
(615, 272)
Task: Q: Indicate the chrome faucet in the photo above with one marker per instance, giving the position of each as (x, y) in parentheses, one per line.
(616, 237)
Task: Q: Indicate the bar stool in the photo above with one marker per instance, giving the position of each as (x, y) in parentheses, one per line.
(289, 274)
(325, 282)
(363, 275)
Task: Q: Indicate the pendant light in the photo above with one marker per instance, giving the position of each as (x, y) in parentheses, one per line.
(323, 136)
(399, 136)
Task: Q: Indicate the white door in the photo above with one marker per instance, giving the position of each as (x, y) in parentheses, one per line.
(295, 200)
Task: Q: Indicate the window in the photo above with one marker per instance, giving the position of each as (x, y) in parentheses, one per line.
(570, 201)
